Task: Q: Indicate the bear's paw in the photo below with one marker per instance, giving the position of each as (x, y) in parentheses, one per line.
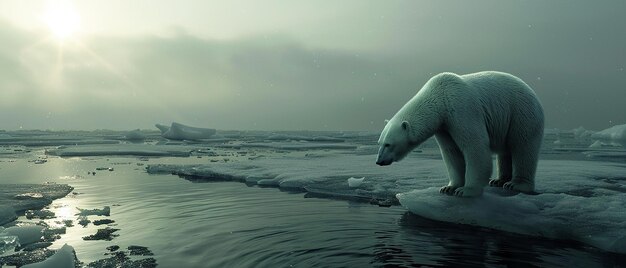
(498, 182)
(448, 189)
(520, 185)
(468, 191)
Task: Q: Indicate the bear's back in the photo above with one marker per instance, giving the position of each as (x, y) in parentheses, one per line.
(508, 104)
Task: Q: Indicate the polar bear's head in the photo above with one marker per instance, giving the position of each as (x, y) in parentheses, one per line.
(394, 141)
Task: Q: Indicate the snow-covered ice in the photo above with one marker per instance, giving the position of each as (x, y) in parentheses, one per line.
(597, 220)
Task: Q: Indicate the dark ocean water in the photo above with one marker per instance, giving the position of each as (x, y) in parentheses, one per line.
(228, 224)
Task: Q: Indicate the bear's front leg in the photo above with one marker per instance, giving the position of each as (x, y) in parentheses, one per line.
(455, 164)
(478, 170)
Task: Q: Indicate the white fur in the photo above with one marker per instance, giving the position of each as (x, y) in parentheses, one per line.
(472, 116)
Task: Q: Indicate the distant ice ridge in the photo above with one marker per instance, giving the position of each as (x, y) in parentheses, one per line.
(579, 200)
(121, 150)
(615, 134)
(179, 131)
(582, 133)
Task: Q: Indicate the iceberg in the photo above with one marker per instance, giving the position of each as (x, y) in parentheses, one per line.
(179, 131)
(615, 134)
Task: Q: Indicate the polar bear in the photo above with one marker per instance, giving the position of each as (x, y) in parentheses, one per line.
(472, 116)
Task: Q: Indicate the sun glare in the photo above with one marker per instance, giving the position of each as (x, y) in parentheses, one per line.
(63, 21)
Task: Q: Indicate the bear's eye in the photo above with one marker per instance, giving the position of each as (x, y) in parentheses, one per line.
(387, 145)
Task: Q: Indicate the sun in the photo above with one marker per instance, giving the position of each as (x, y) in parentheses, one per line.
(62, 20)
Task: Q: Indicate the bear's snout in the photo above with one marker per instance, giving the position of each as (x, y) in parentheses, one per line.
(383, 158)
(383, 162)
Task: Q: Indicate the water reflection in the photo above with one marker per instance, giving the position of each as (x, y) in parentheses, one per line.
(466, 246)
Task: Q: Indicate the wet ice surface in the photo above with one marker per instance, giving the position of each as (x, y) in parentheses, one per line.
(219, 223)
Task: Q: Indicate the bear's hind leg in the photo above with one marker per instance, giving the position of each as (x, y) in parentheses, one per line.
(505, 170)
(524, 159)
(455, 164)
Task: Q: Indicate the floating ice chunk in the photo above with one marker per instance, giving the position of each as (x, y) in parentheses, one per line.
(7, 242)
(355, 182)
(106, 211)
(597, 221)
(63, 258)
(615, 133)
(26, 234)
(182, 132)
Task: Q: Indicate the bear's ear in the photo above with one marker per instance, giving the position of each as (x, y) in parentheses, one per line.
(386, 121)
(405, 125)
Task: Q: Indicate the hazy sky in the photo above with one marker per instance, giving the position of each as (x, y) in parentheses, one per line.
(294, 65)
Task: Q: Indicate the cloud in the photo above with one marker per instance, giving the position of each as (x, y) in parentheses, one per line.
(279, 81)
(262, 82)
